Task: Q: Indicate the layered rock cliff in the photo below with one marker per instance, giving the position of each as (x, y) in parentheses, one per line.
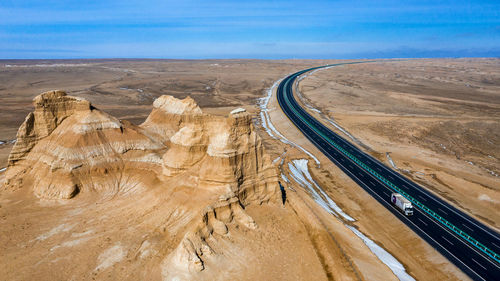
(67, 147)
(51, 108)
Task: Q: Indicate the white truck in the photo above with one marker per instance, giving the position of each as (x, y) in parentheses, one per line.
(402, 203)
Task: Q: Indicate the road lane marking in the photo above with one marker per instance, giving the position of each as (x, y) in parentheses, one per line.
(442, 211)
(468, 227)
(372, 183)
(447, 240)
(422, 198)
(422, 221)
(464, 243)
(478, 263)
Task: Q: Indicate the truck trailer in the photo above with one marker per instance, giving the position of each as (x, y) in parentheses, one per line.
(403, 204)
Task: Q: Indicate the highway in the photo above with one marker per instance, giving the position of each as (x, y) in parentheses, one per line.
(466, 242)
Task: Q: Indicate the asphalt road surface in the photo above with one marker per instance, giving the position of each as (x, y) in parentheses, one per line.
(466, 242)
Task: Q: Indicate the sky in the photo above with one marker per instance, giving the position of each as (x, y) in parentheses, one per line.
(49, 29)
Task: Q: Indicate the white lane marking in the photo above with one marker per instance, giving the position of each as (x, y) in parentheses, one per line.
(442, 211)
(372, 183)
(478, 263)
(422, 222)
(447, 240)
(422, 198)
(361, 175)
(468, 227)
(386, 194)
(495, 244)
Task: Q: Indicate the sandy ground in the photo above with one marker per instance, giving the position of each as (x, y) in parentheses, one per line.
(127, 238)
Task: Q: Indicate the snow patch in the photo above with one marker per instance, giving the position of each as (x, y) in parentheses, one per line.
(111, 256)
(71, 243)
(147, 250)
(269, 127)
(492, 173)
(81, 233)
(387, 154)
(284, 177)
(238, 110)
(276, 160)
(61, 228)
(340, 128)
(300, 173)
(132, 89)
(396, 267)
(485, 197)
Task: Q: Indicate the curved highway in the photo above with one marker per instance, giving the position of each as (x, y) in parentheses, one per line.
(469, 244)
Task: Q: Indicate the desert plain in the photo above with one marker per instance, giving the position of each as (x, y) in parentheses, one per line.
(434, 120)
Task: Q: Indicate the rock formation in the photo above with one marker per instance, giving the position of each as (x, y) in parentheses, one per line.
(168, 116)
(225, 152)
(51, 108)
(196, 245)
(67, 148)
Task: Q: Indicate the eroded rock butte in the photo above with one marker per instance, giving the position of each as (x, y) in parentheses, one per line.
(68, 149)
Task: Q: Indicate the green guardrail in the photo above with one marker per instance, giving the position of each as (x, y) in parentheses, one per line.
(433, 214)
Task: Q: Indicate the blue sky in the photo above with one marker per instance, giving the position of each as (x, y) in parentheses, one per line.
(248, 29)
